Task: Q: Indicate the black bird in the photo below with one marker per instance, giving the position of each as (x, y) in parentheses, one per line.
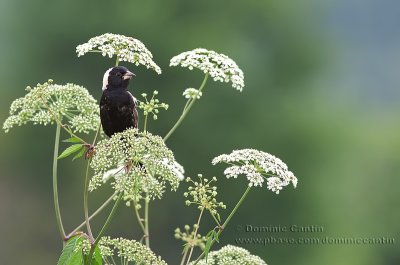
(117, 105)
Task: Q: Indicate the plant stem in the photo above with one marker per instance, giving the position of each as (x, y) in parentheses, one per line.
(145, 123)
(146, 221)
(194, 236)
(226, 221)
(184, 255)
(94, 214)
(139, 218)
(117, 61)
(55, 188)
(86, 192)
(85, 202)
(186, 110)
(105, 226)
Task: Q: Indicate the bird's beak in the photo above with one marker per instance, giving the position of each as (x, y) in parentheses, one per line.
(128, 75)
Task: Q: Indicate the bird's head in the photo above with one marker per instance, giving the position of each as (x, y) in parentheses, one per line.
(117, 78)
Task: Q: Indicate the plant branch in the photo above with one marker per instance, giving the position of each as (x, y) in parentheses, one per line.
(194, 236)
(226, 222)
(55, 188)
(105, 226)
(139, 218)
(93, 214)
(146, 221)
(85, 202)
(186, 110)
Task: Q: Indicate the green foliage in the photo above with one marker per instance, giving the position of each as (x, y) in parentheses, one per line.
(71, 150)
(72, 252)
(96, 258)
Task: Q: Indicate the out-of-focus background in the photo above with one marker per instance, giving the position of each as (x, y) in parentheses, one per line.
(322, 93)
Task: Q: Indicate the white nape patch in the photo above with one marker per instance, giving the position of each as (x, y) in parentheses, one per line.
(105, 79)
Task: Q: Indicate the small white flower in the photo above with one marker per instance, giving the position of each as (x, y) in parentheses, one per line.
(192, 93)
(128, 250)
(127, 49)
(139, 162)
(230, 255)
(219, 66)
(257, 166)
(48, 102)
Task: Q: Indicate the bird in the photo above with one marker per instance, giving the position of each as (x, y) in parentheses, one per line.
(117, 105)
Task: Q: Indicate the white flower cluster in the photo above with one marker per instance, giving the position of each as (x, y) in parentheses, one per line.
(257, 166)
(230, 255)
(187, 236)
(203, 194)
(147, 164)
(192, 93)
(219, 66)
(128, 251)
(125, 48)
(49, 102)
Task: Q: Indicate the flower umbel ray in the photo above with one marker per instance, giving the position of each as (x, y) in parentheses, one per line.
(257, 166)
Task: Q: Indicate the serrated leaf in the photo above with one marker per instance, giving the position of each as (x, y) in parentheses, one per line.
(80, 154)
(96, 258)
(72, 140)
(69, 256)
(70, 150)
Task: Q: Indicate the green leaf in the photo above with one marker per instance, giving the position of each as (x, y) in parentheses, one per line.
(69, 255)
(218, 217)
(72, 140)
(208, 244)
(70, 150)
(96, 258)
(80, 154)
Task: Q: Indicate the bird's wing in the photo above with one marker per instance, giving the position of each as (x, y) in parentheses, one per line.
(135, 112)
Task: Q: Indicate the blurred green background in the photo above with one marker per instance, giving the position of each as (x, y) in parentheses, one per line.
(322, 93)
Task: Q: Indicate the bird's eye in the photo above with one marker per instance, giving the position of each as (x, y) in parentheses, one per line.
(119, 74)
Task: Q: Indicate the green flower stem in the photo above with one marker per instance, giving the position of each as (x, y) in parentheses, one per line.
(105, 226)
(186, 110)
(215, 219)
(94, 214)
(85, 202)
(194, 236)
(145, 123)
(139, 218)
(55, 188)
(86, 192)
(226, 222)
(146, 221)
(184, 255)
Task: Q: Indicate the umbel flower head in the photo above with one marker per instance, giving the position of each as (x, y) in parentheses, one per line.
(192, 93)
(188, 236)
(124, 249)
(219, 66)
(147, 164)
(229, 255)
(48, 103)
(257, 166)
(203, 193)
(125, 48)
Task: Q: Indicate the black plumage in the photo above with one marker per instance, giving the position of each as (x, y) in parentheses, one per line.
(117, 105)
